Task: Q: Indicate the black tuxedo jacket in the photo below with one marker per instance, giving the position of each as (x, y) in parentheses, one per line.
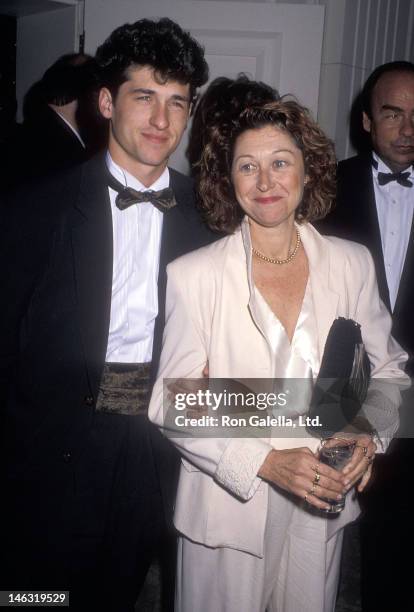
(56, 245)
(47, 145)
(355, 218)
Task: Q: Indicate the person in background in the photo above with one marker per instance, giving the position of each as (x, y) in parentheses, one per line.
(10, 133)
(88, 483)
(375, 204)
(61, 126)
(223, 95)
(258, 304)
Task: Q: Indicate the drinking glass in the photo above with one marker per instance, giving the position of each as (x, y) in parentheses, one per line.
(336, 452)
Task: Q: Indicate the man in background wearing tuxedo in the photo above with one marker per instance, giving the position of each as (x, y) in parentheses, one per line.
(61, 126)
(87, 482)
(375, 204)
(53, 137)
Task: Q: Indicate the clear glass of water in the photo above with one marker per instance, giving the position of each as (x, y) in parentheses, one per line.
(336, 452)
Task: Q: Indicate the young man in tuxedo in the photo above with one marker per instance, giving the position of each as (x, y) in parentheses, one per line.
(375, 204)
(86, 480)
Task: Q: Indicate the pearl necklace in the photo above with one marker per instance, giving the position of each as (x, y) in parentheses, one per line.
(279, 262)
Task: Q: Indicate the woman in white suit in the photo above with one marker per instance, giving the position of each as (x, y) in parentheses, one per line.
(259, 304)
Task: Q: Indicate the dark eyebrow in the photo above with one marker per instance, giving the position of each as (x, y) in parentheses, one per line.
(397, 109)
(141, 90)
(151, 92)
(275, 152)
(182, 98)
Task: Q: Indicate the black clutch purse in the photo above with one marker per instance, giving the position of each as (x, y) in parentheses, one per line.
(342, 383)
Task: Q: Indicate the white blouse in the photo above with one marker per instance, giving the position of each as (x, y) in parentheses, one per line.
(298, 361)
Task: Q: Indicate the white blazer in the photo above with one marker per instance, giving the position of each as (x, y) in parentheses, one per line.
(211, 315)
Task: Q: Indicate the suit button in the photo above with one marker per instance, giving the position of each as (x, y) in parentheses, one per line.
(89, 400)
(67, 457)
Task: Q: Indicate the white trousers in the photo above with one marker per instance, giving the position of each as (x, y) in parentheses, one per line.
(298, 573)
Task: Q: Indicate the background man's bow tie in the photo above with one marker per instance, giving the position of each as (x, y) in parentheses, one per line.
(162, 200)
(387, 177)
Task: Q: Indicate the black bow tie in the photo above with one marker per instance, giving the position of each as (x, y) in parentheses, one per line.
(162, 200)
(387, 177)
(401, 177)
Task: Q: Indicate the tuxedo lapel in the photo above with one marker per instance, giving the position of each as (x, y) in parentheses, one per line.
(92, 244)
(178, 227)
(66, 135)
(406, 286)
(176, 239)
(370, 228)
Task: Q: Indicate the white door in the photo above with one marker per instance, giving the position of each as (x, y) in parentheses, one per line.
(43, 35)
(280, 44)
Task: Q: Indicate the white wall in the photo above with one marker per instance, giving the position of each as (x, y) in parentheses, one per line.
(41, 39)
(263, 39)
(359, 35)
(280, 37)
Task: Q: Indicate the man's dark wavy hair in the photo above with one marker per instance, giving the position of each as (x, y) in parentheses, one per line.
(163, 45)
(374, 77)
(218, 202)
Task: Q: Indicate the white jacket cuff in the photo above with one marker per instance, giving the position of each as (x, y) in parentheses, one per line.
(239, 465)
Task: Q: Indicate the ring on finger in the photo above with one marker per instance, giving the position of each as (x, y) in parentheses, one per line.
(317, 478)
(364, 448)
(315, 468)
(312, 489)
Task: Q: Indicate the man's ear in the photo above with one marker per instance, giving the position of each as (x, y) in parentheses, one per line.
(105, 103)
(366, 122)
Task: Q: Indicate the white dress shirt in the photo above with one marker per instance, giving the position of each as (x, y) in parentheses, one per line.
(395, 206)
(136, 254)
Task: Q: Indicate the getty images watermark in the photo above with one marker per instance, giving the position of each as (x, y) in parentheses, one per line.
(206, 408)
(290, 407)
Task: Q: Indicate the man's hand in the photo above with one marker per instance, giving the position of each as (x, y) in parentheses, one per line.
(188, 385)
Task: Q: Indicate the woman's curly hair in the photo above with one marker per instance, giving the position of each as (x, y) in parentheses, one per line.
(217, 199)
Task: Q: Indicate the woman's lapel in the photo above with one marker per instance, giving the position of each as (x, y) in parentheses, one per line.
(322, 273)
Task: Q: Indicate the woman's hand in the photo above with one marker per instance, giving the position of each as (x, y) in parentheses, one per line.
(360, 465)
(298, 471)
